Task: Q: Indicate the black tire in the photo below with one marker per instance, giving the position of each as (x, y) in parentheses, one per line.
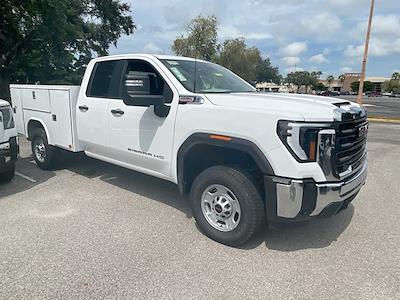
(7, 175)
(251, 204)
(48, 161)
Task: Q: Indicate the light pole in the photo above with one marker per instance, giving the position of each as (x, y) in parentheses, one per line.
(364, 62)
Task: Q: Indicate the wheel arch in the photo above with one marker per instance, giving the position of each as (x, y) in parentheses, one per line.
(35, 123)
(232, 150)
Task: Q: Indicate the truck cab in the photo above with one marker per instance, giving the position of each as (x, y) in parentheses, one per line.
(8, 142)
(243, 157)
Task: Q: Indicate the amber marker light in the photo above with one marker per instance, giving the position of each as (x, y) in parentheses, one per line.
(312, 151)
(220, 137)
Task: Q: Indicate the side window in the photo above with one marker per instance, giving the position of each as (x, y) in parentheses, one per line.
(105, 80)
(144, 80)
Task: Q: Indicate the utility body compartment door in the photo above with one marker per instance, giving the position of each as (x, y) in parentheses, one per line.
(61, 119)
(36, 99)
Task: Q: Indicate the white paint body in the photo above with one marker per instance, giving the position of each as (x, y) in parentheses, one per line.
(102, 135)
(5, 135)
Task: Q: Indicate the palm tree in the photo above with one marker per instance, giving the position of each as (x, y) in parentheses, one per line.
(330, 79)
(341, 79)
(396, 76)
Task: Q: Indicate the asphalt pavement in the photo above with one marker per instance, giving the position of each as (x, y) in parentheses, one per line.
(90, 230)
(379, 107)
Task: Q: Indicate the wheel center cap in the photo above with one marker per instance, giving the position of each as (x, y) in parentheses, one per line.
(218, 208)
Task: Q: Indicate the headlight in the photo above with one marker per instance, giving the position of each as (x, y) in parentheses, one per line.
(6, 116)
(301, 138)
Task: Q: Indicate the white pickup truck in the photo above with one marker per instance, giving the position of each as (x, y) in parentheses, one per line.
(244, 157)
(8, 142)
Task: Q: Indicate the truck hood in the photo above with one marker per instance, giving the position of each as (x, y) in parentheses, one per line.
(309, 107)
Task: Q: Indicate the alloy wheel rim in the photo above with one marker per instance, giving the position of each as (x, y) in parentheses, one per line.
(220, 207)
(40, 150)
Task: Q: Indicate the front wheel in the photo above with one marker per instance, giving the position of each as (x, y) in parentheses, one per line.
(227, 205)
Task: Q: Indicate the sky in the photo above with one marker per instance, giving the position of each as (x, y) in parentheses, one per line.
(325, 35)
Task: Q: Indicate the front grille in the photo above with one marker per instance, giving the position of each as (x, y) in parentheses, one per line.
(6, 117)
(350, 144)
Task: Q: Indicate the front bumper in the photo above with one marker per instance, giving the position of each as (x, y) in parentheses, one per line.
(8, 153)
(297, 200)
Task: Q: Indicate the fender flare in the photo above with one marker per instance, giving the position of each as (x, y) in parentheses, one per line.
(240, 144)
(43, 125)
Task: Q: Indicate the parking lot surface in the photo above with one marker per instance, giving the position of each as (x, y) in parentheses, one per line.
(379, 107)
(90, 230)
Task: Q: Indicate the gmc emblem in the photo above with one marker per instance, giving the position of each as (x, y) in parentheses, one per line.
(363, 130)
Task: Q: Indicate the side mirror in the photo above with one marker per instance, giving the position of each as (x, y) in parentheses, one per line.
(137, 90)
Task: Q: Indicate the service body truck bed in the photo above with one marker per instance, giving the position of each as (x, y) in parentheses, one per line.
(53, 106)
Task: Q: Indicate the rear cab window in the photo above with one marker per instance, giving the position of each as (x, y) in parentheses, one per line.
(105, 80)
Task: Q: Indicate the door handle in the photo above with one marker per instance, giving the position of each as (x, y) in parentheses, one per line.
(83, 108)
(117, 112)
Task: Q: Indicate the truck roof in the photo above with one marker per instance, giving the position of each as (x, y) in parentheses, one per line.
(135, 55)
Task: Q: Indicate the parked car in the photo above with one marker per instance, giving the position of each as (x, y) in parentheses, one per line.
(386, 94)
(244, 157)
(374, 94)
(326, 93)
(8, 142)
(395, 95)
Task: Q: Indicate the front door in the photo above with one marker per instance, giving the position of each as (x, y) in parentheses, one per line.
(138, 137)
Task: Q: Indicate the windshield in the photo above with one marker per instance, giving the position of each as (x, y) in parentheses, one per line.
(211, 78)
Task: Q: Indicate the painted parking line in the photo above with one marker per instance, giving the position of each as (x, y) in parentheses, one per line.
(25, 177)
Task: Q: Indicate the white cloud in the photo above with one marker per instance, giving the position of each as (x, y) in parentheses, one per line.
(294, 69)
(377, 47)
(319, 59)
(346, 70)
(228, 32)
(326, 51)
(231, 32)
(294, 49)
(152, 48)
(291, 60)
(258, 36)
(321, 25)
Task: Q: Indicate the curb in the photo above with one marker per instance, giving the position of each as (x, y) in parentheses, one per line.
(384, 120)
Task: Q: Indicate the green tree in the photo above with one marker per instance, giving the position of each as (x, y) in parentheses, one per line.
(247, 62)
(396, 76)
(319, 87)
(368, 86)
(200, 40)
(341, 78)
(51, 41)
(330, 80)
(303, 78)
(392, 86)
(266, 72)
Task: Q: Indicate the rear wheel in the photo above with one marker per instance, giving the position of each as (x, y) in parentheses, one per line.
(227, 205)
(43, 153)
(7, 175)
